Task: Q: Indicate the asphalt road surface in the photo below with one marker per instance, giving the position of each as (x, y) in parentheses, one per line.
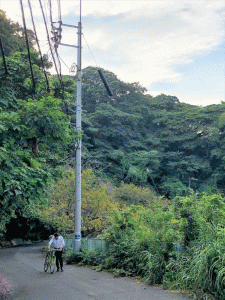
(22, 278)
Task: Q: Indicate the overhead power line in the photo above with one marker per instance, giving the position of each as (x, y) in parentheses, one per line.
(50, 9)
(56, 33)
(49, 42)
(90, 51)
(28, 47)
(64, 62)
(100, 71)
(39, 49)
(3, 57)
(56, 39)
(59, 11)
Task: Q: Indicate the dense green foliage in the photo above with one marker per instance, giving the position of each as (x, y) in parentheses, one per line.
(97, 204)
(157, 142)
(35, 134)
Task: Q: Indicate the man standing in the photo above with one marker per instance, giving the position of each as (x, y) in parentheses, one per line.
(59, 244)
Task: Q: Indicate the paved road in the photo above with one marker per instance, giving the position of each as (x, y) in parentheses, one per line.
(22, 278)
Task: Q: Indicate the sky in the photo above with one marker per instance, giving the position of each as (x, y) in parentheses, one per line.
(174, 47)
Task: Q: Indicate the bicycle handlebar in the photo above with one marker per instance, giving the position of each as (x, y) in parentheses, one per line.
(52, 250)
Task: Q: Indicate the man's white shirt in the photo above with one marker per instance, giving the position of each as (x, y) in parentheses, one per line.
(58, 243)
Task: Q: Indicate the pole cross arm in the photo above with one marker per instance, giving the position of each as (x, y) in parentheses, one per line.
(66, 25)
(68, 45)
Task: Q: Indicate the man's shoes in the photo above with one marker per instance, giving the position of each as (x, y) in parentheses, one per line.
(57, 270)
(61, 270)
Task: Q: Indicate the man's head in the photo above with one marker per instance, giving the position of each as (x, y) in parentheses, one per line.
(56, 235)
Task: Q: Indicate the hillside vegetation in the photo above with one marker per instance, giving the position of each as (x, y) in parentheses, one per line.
(156, 142)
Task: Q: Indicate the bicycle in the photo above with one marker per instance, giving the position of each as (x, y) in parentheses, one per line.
(50, 261)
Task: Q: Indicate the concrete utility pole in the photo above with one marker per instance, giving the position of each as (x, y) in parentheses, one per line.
(77, 206)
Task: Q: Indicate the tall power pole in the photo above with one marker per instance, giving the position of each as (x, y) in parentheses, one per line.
(77, 208)
(77, 205)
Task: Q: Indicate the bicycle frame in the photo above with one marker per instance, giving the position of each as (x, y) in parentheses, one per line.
(50, 261)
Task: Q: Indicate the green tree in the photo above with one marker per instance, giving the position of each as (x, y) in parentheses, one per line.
(12, 35)
(33, 143)
(97, 204)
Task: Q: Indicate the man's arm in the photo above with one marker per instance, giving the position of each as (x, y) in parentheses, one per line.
(50, 242)
(63, 244)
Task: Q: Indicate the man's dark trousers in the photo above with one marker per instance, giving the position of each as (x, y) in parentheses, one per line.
(59, 260)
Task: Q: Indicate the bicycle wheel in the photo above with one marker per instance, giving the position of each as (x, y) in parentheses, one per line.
(46, 263)
(52, 263)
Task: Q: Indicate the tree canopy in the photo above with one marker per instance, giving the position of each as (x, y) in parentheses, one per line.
(12, 35)
(152, 141)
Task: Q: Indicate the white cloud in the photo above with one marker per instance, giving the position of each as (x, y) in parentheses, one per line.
(155, 49)
(200, 99)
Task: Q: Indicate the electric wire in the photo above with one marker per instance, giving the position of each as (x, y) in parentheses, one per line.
(64, 62)
(3, 57)
(59, 63)
(50, 10)
(49, 42)
(100, 71)
(90, 51)
(27, 43)
(37, 41)
(59, 32)
(56, 32)
(154, 184)
(59, 12)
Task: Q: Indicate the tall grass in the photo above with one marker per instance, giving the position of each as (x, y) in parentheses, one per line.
(200, 269)
(181, 246)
